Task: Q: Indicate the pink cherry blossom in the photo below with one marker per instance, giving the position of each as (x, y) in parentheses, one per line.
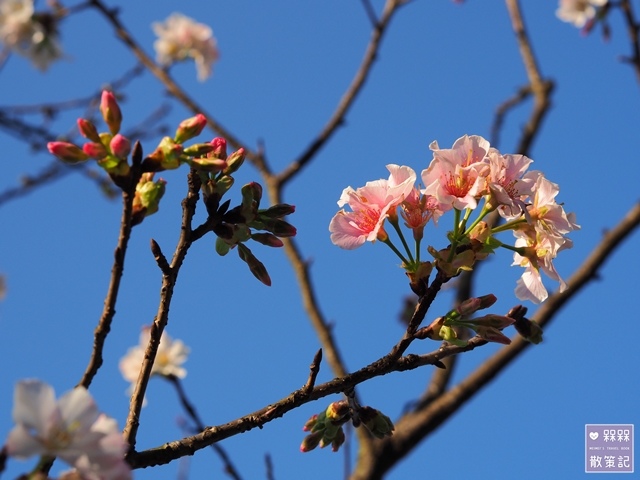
(370, 206)
(456, 176)
(540, 252)
(181, 37)
(418, 209)
(507, 182)
(547, 216)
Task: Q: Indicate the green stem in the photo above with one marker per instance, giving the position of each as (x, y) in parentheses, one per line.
(396, 251)
(509, 225)
(396, 227)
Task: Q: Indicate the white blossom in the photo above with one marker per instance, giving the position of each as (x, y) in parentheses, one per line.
(180, 37)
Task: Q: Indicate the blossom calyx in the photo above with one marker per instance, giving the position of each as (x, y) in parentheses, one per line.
(67, 152)
(190, 128)
(110, 111)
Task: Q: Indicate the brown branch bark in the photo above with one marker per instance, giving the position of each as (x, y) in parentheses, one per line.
(169, 279)
(109, 309)
(189, 445)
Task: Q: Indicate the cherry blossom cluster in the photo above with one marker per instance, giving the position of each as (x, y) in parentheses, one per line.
(71, 428)
(470, 177)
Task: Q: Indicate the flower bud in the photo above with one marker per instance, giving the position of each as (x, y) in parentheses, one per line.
(88, 130)
(223, 184)
(120, 146)
(491, 334)
(255, 266)
(110, 111)
(147, 197)
(529, 330)
(376, 422)
(267, 239)
(190, 128)
(95, 150)
(67, 152)
(310, 423)
(198, 150)
(280, 228)
(219, 148)
(493, 320)
(338, 440)
(278, 211)
(207, 164)
(311, 441)
(234, 161)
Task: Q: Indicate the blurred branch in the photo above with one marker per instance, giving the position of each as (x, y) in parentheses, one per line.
(541, 88)
(229, 468)
(349, 97)
(632, 31)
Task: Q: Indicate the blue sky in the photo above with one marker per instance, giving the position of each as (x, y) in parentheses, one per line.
(442, 71)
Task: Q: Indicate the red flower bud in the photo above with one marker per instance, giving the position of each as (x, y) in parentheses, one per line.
(67, 152)
(110, 111)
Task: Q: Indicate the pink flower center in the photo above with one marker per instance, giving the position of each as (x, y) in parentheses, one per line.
(459, 184)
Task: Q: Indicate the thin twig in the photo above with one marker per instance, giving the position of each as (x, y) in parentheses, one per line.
(540, 87)
(349, 97)
(314, 369)
(632, 31)
(169, 278)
